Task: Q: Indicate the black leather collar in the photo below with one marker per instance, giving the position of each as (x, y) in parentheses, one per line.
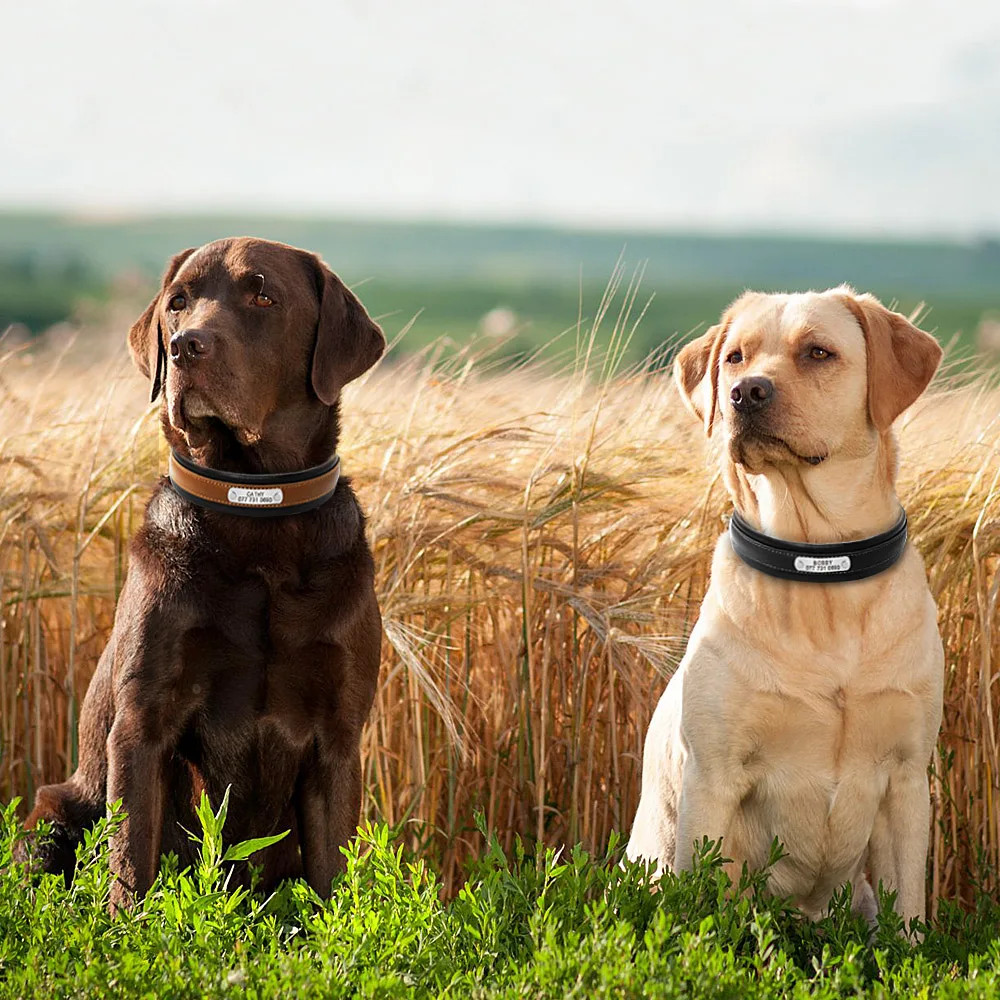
(830, 563)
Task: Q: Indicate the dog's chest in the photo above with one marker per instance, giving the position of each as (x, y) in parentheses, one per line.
(818, 769)
(263, 666)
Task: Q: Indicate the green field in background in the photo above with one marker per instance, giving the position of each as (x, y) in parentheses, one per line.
(450, 276)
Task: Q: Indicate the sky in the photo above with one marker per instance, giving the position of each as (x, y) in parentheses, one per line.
(858, 116)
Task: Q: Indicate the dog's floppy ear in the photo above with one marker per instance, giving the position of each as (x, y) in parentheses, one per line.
(902, 359)
(348, 340)
(696, 372)
(145, 338)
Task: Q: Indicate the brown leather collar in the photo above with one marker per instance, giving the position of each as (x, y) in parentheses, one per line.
(253, 495)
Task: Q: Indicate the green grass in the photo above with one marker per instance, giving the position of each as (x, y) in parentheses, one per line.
(521, 926)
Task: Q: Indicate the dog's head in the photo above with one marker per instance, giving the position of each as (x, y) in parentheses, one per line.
(804, 379)
(250, 338)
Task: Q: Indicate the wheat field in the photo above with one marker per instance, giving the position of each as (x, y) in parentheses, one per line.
(542, 539)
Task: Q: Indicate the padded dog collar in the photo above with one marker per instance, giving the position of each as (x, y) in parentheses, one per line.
(252, 495)
(830, 563)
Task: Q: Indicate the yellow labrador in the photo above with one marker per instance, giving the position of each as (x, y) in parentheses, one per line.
(804, 711)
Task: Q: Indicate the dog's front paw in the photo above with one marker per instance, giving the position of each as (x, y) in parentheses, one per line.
(51, 851)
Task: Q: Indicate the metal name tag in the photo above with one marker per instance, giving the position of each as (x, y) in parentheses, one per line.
(248, 496)
(822, 564)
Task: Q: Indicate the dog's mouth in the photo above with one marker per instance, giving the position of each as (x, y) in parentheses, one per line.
(199, 418)
(188, 407)
(743, 451)
(197, 407)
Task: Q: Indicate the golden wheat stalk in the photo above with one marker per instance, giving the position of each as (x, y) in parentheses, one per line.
(542, 540)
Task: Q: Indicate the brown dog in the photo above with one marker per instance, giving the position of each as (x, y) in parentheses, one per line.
(245, 650)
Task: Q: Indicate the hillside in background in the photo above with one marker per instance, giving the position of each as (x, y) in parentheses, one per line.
(531, 282)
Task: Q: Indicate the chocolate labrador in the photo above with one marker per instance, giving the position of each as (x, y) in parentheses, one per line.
(245, 649)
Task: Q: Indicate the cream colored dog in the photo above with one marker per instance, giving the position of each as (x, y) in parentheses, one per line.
(804, 711)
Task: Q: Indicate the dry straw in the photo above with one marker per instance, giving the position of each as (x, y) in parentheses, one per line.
(542, 540)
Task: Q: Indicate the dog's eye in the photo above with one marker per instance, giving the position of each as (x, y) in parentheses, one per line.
(177, 303)
(734, 357)
(262, 300)
(819, 353)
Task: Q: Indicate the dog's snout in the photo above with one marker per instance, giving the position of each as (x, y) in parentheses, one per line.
(751, 393)
(190, 345)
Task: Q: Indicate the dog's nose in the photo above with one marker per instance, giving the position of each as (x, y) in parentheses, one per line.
(190, 345)
(751, 393)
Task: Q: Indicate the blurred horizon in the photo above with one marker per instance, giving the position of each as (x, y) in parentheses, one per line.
(116, 215)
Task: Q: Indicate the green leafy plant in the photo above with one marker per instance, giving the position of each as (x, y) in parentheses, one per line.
(532, 922)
